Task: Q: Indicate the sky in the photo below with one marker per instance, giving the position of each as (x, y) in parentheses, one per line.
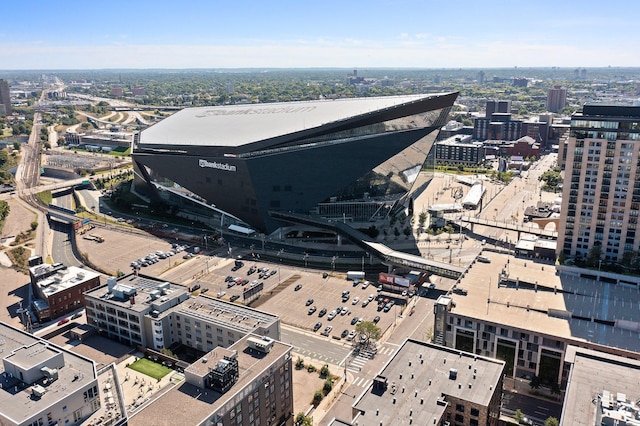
(318, 34)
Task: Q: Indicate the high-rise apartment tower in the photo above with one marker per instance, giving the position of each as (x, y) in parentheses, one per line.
(601, 195)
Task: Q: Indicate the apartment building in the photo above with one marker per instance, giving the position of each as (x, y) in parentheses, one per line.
(528, 314)
(248, 383)
(58, 289)
(43, 384)
(142, 310)
(601, 194)
(459, 150)
(425, 383)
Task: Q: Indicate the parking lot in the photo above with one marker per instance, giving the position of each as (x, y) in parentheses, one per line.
(219, 277)
(296, 292)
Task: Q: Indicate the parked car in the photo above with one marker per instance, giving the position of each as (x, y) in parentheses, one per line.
(483, 259)
(344, 333)
(298, 287)
(309, 302)
(365, 302)
(311, 310)
(355, 300)
(332, 315)
(344, 311)
(354, 320)
(376, 319)
(317, 326)
(234, 297)
(63, 321)
(365, 284)
(351, 335)
(327, 330)
(322, 312)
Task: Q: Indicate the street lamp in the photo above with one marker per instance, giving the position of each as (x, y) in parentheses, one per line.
(306, 256)
(333, 264)
(279, 263)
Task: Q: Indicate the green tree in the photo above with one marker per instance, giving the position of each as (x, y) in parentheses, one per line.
(324, 371)
(551, 179)
(594, 256)
(302, 420)
(535, 382)
(327, 386)
(422, 219)
(16, 146)
(368, 330)
(317, 397)
(299, 363)
(551, 421)
(34, 225)
(519, 416)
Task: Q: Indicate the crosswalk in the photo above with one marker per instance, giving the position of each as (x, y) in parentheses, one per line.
(356, 364)
(386, 351)
(362, 382)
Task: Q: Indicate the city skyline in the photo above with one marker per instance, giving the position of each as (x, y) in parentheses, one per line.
(397, 34)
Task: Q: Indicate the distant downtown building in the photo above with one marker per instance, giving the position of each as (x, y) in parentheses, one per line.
(556, 99)
(5, 98)
(601, 194)
(459, 150)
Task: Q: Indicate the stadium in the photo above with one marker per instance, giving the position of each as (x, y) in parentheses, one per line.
(353, 160)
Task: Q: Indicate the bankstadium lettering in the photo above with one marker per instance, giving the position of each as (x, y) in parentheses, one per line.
(220, 166)
(254, 111)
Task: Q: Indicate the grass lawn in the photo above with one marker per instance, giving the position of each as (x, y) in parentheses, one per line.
(150, 368)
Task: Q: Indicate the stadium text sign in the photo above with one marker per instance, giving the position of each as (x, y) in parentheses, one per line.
(220, 166)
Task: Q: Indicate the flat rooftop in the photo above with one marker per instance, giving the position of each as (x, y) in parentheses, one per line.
(236, 125)
(563, 304)
(63, 279)
(28, 351)
(593, 373)
(192, 405)
(421, 370)
(228, 314)
(144, 286)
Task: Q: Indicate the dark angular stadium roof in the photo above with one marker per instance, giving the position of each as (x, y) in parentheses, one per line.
(237, 125)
